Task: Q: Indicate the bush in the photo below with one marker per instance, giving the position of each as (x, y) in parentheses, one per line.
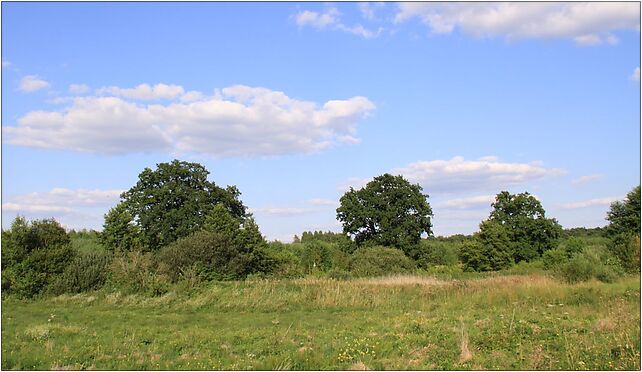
(626, 247)
(322, 256)
(214, 256)
(33, 255)
(594, 262)
(489, 251)
(432, 252)
(376, 261)
(136, 272)
(286, 259)
(88, 271)
(555, 258)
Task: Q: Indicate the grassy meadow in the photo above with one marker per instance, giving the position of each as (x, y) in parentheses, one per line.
(495, 321)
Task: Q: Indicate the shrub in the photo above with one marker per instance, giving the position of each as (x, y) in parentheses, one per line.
(626, 247)
(593, 262)
(432, 252)
(555, 258)
(136, 272)
(489, 251)
(287, 262)
(379, 260)
(214, 256)
(321, 256)
(88, 271)
(33, 255)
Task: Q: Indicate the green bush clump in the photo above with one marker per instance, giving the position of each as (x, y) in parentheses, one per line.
(430, 252)
(555, 258)
(378, 260)
(33, 255)
(88, 271)
(286, 260)
(490, 250)
(137, 272)
(593, 262)
(626, 247)
(318, 256)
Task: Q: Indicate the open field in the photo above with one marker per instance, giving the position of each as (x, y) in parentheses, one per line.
(406, 322)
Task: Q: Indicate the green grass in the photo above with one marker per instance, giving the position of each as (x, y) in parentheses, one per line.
(407, 322)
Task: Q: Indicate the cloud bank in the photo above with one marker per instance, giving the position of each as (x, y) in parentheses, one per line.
(236, 121)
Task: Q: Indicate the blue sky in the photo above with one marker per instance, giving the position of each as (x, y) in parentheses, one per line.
(296, 102)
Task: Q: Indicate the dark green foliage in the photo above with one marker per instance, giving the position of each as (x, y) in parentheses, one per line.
(376, 261)
(528, 229)
(490, 250)
(286, 259)
(224, 250)
(593, 262)
(33, 254)
(624, 216)
(342, 241)
(388, 211)
(553, 259)
(120, 233)
(431, 252)
(172, 201)
(86, 241)
(583, 232)
(322, 256)
(626, 247)
(88, 271)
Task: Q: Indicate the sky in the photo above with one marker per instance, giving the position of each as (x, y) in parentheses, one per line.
(294, 103)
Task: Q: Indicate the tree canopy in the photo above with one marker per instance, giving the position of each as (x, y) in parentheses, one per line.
(388, 211)
(173, 201)
(528, 229)
(624, 216)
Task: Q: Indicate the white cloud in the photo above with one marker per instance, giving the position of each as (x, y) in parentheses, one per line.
(78, 88)
(636, 75)
(588, 23)
(145, 92)
(239, 121)
(458, 174)
(581, 181)
(281, 211)
(32, 83)
(318, 20)
(591, 203)
(5, 63)
(368, 9)
(468, 202)
(331, 19)
(324, 202)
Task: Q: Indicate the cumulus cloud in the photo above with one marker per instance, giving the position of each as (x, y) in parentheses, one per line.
(591, 203)
(78, 88)
(145, 92)
(79, 208)
(459, 174)
(587, 23)
(581, 181)
(324, 202)
(636, 75)
(281, 211)
(32, 83)
(331, 19)
(238, 121)
(368, 10)
(468, 202)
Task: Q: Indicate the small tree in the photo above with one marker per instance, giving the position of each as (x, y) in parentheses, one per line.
(624, 230)
(120, 233)
(172, 201)
(388, 211)
(529, 231)
(33, 255)
(490, 250)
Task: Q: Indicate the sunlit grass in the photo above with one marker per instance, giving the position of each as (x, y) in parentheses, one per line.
(398, 322)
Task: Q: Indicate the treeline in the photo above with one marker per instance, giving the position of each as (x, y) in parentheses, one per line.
(176, 229)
